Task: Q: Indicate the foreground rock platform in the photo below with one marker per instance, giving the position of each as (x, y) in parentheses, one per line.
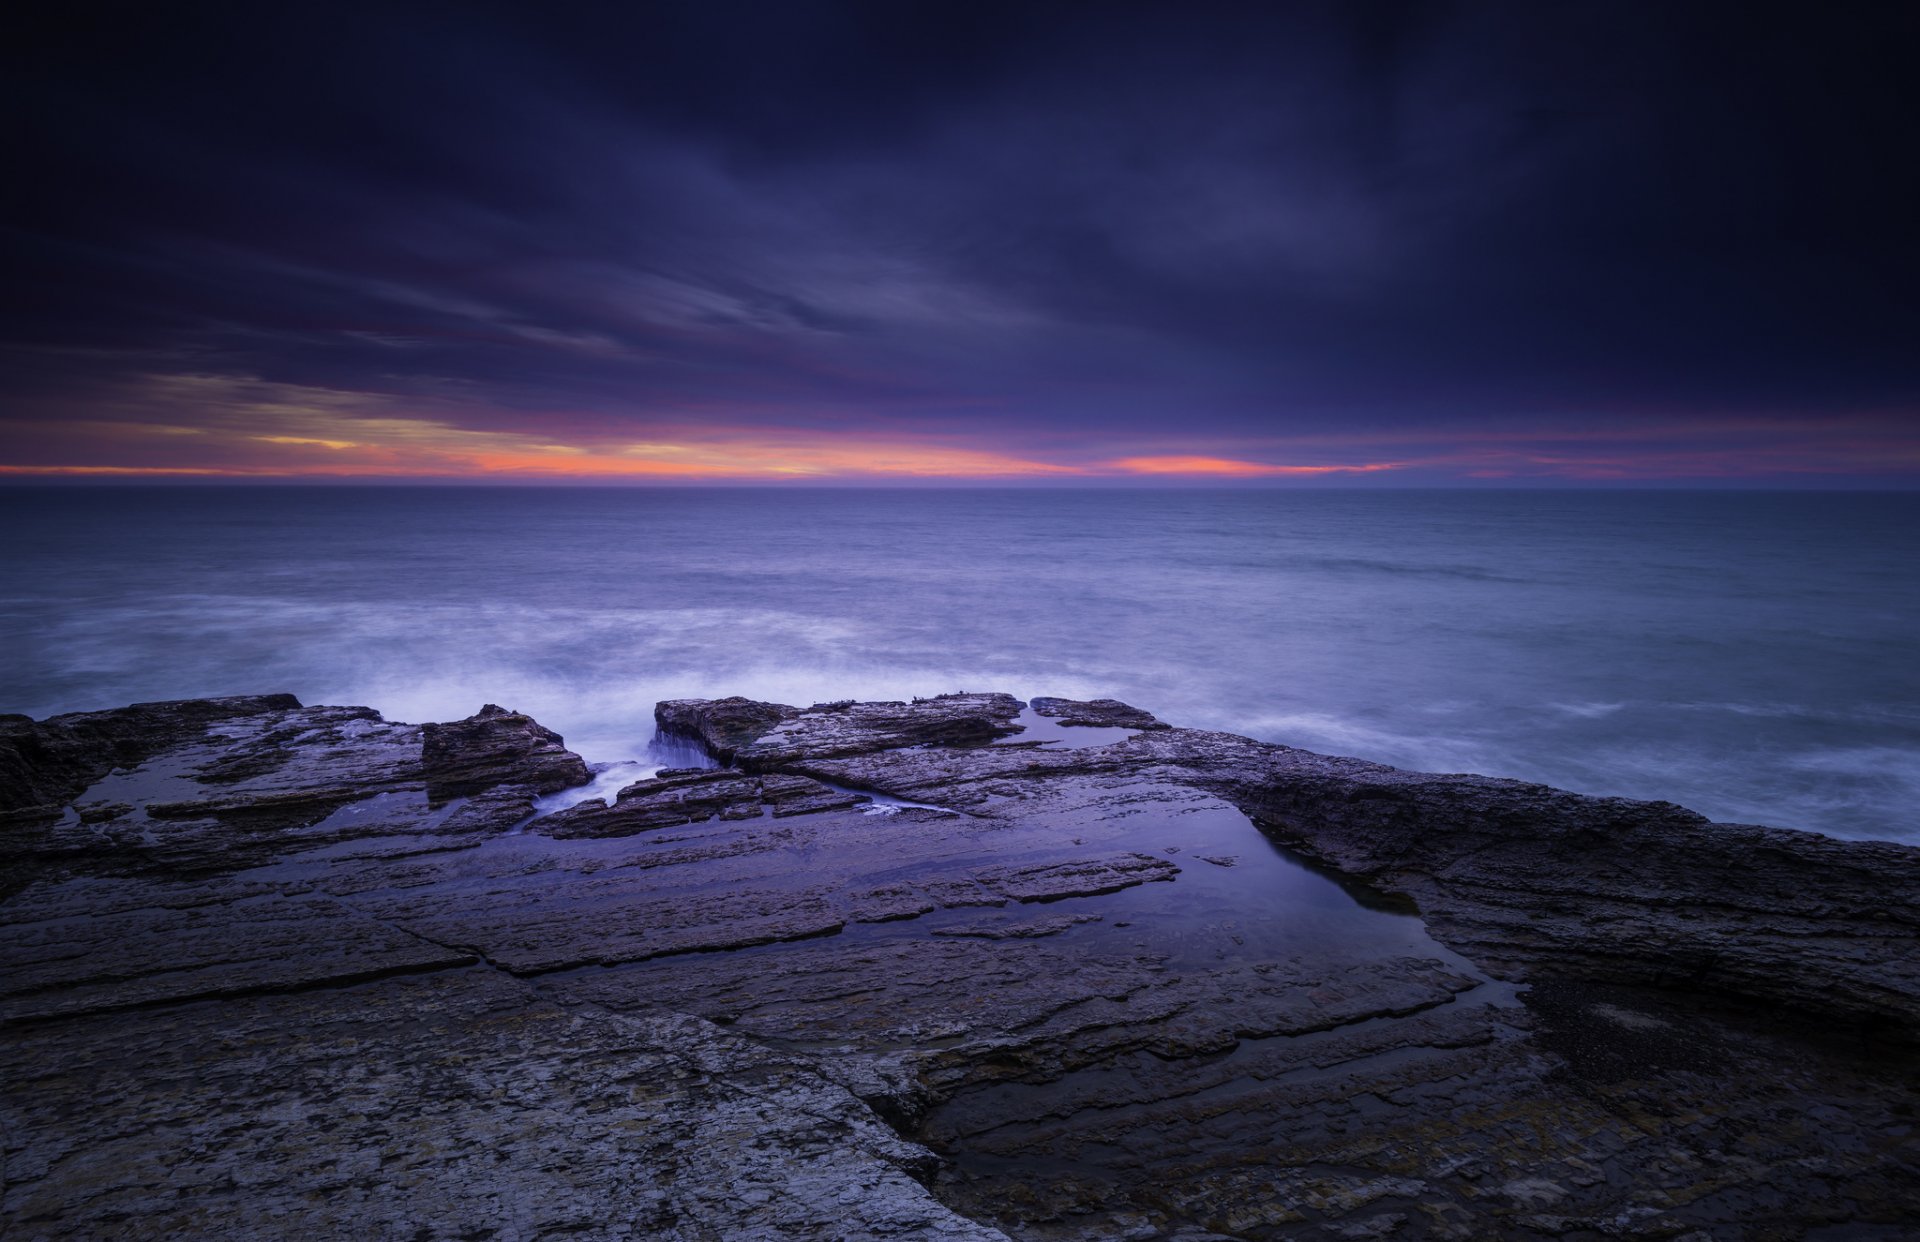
(959, 968)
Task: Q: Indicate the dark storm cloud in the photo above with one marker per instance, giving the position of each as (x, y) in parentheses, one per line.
(1032, 225)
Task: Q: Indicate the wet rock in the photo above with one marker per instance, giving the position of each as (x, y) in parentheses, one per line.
(45, 763)
(1537, 881)
(452, 1105)
(722, 726)
(286, 770)
(1524, 878)
(838, 729)
(496, 747)
(301, 966)
(163, 950)
(1032, 929)
(269, 781)
(531, 929)
(1097, 713)
(1078, 877)
(690, 795)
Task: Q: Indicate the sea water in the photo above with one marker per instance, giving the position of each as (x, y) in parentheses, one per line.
(1752, 655)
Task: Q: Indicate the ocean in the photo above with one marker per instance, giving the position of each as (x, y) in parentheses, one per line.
(1752, 655)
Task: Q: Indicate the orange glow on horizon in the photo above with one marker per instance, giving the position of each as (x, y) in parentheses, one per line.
(1233, 468)
(752, 461)
(243, 427)
(253, 428)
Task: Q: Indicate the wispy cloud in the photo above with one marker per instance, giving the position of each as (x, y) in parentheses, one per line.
(1297, 243)
(241, 426)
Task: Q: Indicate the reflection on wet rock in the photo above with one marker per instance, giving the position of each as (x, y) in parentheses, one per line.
(1088, 976)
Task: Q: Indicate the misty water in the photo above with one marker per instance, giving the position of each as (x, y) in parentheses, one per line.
(1750, 655)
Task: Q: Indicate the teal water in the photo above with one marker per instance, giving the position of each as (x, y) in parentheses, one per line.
(1755, 656)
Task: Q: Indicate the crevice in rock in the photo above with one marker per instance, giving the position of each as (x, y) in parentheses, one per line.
(329, 983)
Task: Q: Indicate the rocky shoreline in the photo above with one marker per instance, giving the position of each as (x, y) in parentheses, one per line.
(962, 968)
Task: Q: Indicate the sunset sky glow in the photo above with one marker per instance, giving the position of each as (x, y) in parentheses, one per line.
(1103, 245)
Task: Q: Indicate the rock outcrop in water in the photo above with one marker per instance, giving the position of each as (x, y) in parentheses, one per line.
(1096, 713)
(903, 971)
(496, 747)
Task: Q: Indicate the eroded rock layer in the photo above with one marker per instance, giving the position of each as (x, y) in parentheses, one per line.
(919, 970)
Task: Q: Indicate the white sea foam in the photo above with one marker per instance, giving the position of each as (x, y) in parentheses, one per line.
(1757, 678)
(1346, 735)
(607, 782)
(1588, 711)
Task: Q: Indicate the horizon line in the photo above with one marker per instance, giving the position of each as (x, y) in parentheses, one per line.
(64, 482)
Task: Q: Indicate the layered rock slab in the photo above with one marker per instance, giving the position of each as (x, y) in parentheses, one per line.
(492, 747)
(722, 726)
(452, 1105)
(1096, 713)
(691, 796)
(1460, 1121)
(835, 729)
(45, 764)
(1538, 882)
(1524, 878)
(681, 1013)
(231, 1012)
(149, 952)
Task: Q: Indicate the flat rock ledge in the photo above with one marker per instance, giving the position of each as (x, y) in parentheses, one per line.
(919, 970)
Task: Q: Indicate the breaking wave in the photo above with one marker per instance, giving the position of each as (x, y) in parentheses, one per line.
(1749, 675)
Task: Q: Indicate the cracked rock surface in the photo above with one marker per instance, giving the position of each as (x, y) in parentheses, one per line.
(928, 970)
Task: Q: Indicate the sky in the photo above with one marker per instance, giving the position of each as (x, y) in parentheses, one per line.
(1355, 243)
